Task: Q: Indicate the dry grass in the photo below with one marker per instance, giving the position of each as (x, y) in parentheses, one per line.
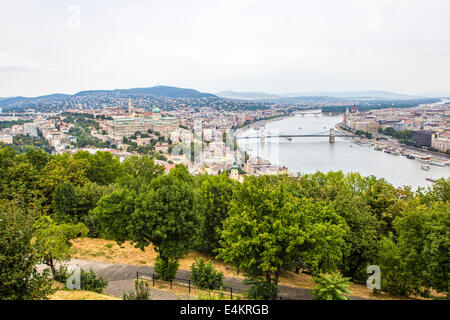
(80, 295)
(65, 294)
(109, 251)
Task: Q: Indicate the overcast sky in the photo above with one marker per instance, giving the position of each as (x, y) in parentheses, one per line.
(49, 46)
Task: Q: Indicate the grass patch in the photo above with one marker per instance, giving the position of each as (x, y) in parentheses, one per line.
(80, 295)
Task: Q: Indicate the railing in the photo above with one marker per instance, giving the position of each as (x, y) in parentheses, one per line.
(227, 290)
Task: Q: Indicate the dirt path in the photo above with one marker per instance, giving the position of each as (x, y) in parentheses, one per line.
(120, 279)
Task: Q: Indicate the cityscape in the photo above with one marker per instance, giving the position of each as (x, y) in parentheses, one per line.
(210, 130)
(224, 155)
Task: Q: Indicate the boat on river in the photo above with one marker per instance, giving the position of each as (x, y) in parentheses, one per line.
(431, 179)
(437, 163)
(426, 168)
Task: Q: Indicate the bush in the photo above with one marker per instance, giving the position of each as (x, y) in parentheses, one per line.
(142, 291)
(331, 287)
(260, 289)
(166, 270)
(90, 282)
(211, 296)
(61, 275)
(205, 276)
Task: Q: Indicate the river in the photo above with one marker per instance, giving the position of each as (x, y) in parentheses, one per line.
(311, 154)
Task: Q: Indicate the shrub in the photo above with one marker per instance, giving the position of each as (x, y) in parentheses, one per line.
(142, 291)
(61, 275)
(331, 287)
(205, 276)
(211, 296)
(90, 281)
(166, 270)
(260, 289)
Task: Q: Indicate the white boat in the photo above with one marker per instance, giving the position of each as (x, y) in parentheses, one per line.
(436, 163)
(431, 179)
(426, 168)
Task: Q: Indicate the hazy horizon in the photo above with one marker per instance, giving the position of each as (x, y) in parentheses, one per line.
(276, 47)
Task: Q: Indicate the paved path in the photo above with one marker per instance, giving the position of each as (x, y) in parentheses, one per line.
(120, 279)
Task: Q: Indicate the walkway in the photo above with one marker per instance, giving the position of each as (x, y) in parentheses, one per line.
(120, 279)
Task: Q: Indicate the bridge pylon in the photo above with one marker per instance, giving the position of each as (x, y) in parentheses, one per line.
(332, 135)
(263, 135)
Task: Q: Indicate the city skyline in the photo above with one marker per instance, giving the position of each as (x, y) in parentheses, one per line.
(70, 46)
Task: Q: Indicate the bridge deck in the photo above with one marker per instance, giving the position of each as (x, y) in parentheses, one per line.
(298, 136)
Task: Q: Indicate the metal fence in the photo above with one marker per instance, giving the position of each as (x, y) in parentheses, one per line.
(227, 290)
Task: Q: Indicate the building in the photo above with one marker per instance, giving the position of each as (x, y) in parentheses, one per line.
(442, 143)
(126, 127)
(7, 139)
(423, 138)
(30, 129)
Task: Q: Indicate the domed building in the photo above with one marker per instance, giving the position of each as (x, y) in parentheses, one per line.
(126, 127)
(156, 113)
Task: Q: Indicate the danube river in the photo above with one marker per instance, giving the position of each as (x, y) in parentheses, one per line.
(311, 154)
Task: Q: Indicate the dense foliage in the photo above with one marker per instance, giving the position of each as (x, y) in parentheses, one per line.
(91, 282)
(317, 223)
(205, 276)
(19, 277)
(331, 287)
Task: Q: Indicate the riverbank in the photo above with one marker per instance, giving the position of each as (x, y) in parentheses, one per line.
(258, 123)
(392, 144)
(307, 155)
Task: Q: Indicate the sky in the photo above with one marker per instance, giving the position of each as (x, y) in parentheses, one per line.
(49, 46)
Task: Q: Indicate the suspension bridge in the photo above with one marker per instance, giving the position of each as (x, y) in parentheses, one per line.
(330, 134)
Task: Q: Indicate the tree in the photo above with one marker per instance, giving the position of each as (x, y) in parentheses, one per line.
(53, 240)
(217, 192)
(139, 171)
(113, 214)
(439, 191)
(61, 168)
(423, 244)
(88, 196)
(269, 229)
(65, 202)
(19, 277)
(103, 167)
(37, 157)
(362, 239)
(167, 215)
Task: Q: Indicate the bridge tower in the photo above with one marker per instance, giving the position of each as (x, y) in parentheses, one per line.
(332, 135)
(263, 135)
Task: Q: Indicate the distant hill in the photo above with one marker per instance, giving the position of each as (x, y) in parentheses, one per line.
(159, 91)
(245, 95)
(369, 94)
(301, 96)
(437, 95)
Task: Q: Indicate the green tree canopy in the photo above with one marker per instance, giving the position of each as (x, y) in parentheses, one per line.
(19, 277)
